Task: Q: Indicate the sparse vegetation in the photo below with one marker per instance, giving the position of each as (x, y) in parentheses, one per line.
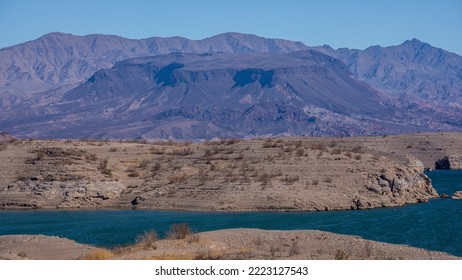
(179, 231)
(103, 167)
(341, 255)
(147, 240)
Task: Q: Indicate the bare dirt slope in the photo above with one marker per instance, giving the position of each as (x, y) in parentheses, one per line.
(40, 247)
(288, 174)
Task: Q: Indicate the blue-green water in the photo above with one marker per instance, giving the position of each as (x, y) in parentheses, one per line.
(436, 225)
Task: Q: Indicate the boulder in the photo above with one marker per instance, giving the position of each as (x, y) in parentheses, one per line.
(449, 162)
(457, 195)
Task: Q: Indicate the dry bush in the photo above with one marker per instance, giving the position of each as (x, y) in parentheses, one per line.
(98, 254)
(291, 178)
(341, 255)
(232, 141)
(357, 157)
(300, 152)
(315, 182)
(274, 249)
(358, 149)
(133, 172)
(157, 151)
(336, 152)
(114, 149)
(179, 231)
(156, 167)
(144, 164)
(298, 143)
(183, 152)
(328, 180)
(103, 168)
(91, 157)
(294, 248)
(147, 240)
(270, 143)
(348, 154)
(318, 146)
(264, 179)
(176, 178)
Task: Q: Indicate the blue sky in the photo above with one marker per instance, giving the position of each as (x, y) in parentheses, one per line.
(353, 23)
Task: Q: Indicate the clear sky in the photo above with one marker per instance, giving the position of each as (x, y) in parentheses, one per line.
(347, 23)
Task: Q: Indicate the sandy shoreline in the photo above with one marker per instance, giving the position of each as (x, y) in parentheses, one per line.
(220, 244)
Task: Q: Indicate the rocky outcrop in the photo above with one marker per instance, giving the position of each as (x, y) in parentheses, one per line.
(457, 195)
(451, 162)
(63, 194)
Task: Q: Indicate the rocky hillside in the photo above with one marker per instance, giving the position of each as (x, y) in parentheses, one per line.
(58, 59)
(227, 175)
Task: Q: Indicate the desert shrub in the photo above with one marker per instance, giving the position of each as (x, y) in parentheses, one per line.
(318, 146)
(103, 168)
(264, 179)
(232, 141)
(147, 240)
(336, 152)
(348, 154)
(156, 151)
(291, 179)
(358, 149)
(315, 182)
(98, 254)
(357, 157)
(133, 172)
(183, 152)
(341, 255)
(328, 180)
(114, 149)
(179, 231)
(179, 177)
(300, 152)
(156, 166)
(270, 143)
(91, 157)
(144, 164)
(294, 248)
(274, 249)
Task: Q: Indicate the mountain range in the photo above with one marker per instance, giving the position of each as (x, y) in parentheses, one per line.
(228, 85)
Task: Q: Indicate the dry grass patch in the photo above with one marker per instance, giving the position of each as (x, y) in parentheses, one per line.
(98, 254)
(147, 240)
(179, 231)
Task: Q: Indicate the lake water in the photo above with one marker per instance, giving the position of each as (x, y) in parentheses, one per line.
(436, 225)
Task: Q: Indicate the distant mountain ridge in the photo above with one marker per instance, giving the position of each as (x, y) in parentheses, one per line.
(228, 85)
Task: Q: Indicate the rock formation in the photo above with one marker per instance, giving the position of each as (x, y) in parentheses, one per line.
(451, 162)
(457, 195)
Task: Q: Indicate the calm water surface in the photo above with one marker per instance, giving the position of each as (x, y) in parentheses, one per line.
(436, 225)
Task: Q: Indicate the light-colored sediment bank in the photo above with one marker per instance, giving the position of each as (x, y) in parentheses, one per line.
(287, 174)
(221, 244)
